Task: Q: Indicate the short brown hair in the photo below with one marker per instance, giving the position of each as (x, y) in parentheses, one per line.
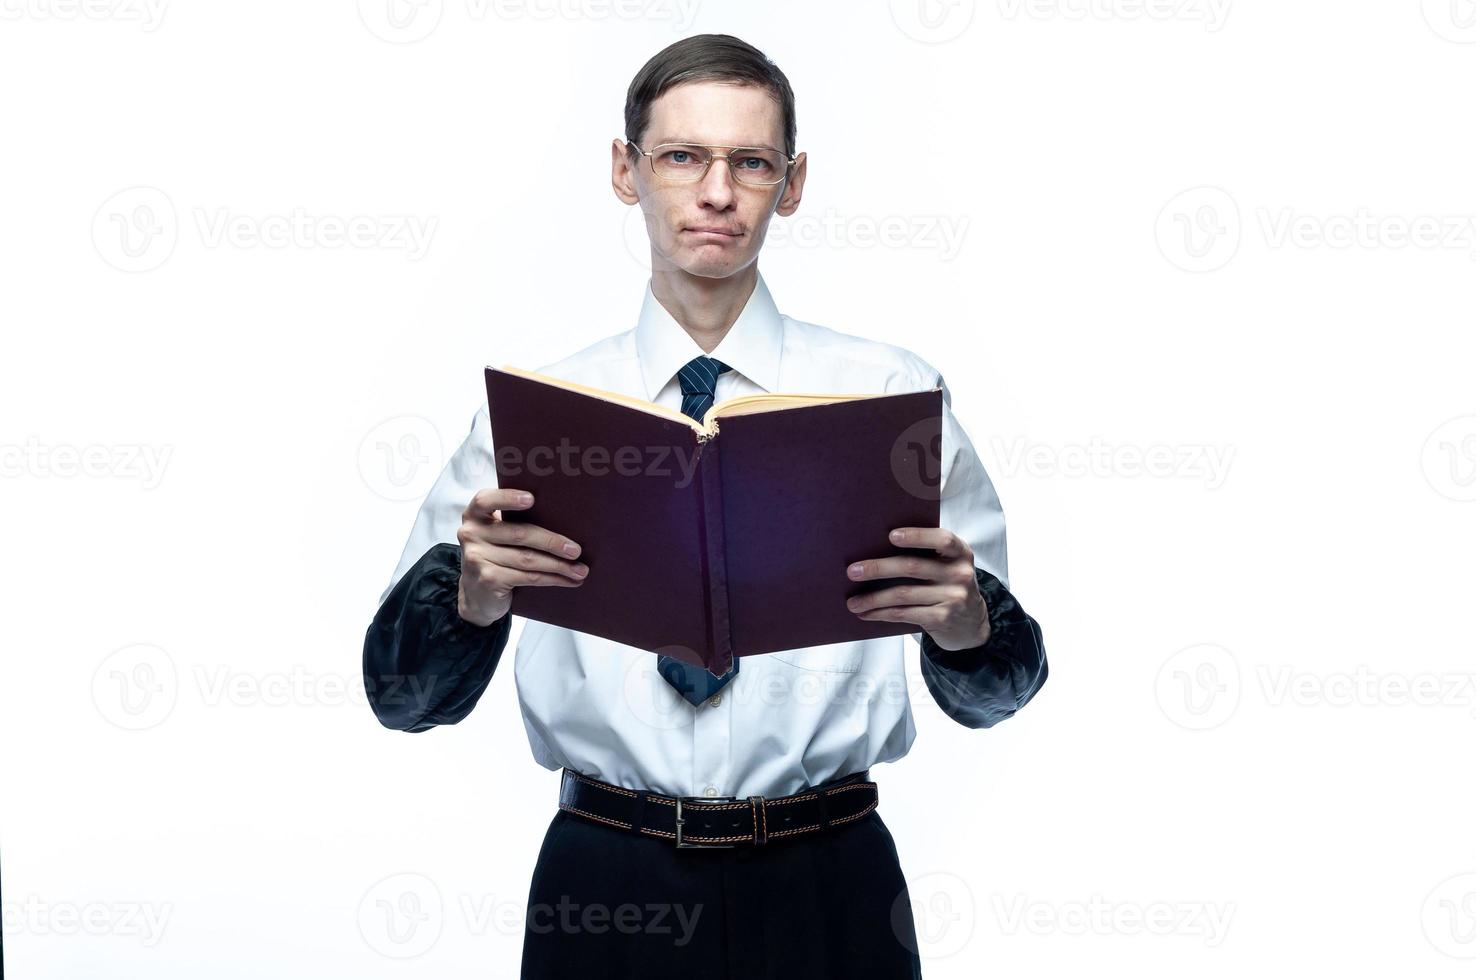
(701, 58)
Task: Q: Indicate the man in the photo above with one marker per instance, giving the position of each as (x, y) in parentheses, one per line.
(798, 875)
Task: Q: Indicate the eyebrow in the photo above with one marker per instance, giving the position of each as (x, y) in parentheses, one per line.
(749, 146)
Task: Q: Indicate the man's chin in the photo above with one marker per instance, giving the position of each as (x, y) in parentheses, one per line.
(701, 262)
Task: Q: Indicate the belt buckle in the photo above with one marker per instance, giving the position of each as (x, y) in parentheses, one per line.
(687, 845)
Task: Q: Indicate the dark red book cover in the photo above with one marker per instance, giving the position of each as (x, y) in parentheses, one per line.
(706, 549)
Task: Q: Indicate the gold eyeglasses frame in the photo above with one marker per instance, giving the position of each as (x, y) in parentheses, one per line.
(650, 155)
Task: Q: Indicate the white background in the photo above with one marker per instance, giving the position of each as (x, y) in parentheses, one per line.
(1199, 277)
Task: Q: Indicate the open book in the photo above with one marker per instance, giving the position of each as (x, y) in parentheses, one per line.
(723, 538)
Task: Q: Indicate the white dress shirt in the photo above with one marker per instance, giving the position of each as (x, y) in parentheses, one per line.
(787, 720)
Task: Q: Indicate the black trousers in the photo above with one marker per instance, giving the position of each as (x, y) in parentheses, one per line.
(605, 902)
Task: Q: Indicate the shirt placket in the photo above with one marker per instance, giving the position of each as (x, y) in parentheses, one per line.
(712, 737)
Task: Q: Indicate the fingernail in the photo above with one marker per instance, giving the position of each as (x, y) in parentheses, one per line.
(581, 570)
(896, 535)
(525, 499)
(571, 549)
(855, 571)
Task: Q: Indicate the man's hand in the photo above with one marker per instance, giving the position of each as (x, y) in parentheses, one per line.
(498, 556)
(946, 603)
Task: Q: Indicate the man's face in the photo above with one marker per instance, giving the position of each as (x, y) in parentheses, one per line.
(715, 226)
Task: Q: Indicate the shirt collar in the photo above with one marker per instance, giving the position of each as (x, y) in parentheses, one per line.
(751, 346)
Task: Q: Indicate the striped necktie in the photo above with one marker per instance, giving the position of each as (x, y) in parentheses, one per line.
(698, 378)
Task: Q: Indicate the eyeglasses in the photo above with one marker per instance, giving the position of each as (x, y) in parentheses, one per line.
(689, 161)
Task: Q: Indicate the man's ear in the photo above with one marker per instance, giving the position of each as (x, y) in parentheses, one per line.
(794, 187)
(622, 174)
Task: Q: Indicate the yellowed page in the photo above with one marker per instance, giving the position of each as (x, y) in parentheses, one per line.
(742, 405)
(749, 404)
(651, 408)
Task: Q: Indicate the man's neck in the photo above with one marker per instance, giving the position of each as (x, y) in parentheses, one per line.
(705, 308)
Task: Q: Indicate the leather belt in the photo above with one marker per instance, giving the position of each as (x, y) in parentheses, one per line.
(722, 821)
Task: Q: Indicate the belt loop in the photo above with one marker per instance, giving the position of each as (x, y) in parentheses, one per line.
(637, 820)
(760, 819)
(566, 787)
(823, 804)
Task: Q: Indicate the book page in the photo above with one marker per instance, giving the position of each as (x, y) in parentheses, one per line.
(742, 405)
(749, 404)
(640, 404)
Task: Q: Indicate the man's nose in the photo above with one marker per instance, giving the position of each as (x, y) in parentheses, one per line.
(717, 183)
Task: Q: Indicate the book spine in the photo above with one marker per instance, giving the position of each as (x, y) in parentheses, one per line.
(714, 555)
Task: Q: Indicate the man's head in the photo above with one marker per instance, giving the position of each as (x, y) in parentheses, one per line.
(709, 90)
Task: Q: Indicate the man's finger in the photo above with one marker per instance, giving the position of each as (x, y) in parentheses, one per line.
(900, 595)
(520, 578)
(940, 539)
(485, 503)
(923, 617)
(900, 566)
(526, 560)
(525, 535)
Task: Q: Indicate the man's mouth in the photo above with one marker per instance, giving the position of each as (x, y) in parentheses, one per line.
(728, 232)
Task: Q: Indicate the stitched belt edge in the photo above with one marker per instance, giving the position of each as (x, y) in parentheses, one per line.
(846, 793)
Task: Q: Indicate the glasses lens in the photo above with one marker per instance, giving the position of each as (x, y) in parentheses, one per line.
(687, 161)
(679, 161)
(757, 166)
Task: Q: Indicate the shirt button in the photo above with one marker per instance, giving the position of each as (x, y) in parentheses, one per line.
(710, 791)
(715, 700)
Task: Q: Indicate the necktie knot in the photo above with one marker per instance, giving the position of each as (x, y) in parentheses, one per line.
(699, 375)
